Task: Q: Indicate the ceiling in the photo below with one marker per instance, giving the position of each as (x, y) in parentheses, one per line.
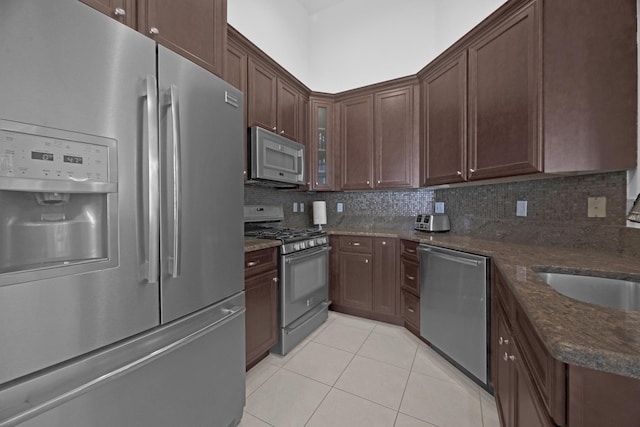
(315, 6)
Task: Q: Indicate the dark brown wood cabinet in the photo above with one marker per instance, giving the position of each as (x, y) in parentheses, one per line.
(121, 10)
(378, 136)
(196, 29)
(356, 130)
(538, 87)
(504, 98)
(444, 122)
(261, 299)
(409, 278)
(236, 68)
(366, 279)
(321, 146)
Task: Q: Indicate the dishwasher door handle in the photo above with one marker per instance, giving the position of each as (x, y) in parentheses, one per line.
(452, 258)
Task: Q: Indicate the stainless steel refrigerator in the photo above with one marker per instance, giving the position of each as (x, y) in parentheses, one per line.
(121, 248)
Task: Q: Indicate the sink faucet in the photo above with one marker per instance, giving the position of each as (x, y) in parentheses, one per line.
(634, 213)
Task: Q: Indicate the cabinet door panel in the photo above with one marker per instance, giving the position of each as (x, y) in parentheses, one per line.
(385, 278)
(529, 409)
(395, 142)
(287, 116)
(504, 99)
(262, 93)
(357, 143)
(321, 146)
(121, 10)
(355, 280)
(261, 297)
(444, 129)
(196, 29)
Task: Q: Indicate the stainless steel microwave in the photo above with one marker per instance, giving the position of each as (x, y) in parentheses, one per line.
(274, 158)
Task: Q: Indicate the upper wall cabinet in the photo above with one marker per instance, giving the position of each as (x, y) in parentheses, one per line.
(321, 145)
(121, 10)
(273, 102)
(537, 87)
(196, 29)
(379, 147)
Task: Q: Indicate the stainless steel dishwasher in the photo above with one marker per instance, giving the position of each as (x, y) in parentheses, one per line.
(454, 308)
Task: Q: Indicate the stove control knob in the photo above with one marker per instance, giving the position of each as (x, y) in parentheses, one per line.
(312, 243)
(296, 246)
(303, 245)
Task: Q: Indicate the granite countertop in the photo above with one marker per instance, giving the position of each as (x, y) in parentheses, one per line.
(574, 332)
(251, 245)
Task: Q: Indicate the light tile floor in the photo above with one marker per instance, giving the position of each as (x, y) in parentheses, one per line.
(357, 372)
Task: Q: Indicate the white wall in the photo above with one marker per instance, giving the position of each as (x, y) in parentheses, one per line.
(355, 42)
(279, 27)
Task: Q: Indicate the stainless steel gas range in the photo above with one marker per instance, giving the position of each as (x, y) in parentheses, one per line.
(303, 273)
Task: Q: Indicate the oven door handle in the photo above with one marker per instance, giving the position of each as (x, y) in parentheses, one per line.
(306, 254)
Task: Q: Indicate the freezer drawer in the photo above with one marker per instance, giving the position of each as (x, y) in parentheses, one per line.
(187, 373)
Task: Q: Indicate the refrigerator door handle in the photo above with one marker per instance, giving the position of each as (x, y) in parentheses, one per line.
(174, 261)
(152, 190)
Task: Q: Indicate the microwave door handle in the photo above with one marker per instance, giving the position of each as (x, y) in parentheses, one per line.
(301, 167)
(176, 259)
(151, 182)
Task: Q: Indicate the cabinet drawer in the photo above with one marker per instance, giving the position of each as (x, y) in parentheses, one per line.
(409, 250)
(410, 308)
(410, 276)
(356, 244)
(260, 261)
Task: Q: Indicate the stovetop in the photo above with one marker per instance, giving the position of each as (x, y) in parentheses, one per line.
(284, 234)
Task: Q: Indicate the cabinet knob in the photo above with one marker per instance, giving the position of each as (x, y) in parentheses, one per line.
(411, 310)
(309, 183)
(384, 242)
(275, 279)
(366, 261)
(368, 182)
(505, 357)
(316, 182)
(512, 358)
(282, 132)
(379, 181)
(459, 173)
(154, 31)
(274, 129)
(501, 341)
(354, 243)
(252, 263)
(118, 11)
(412, 279)
(471, 171)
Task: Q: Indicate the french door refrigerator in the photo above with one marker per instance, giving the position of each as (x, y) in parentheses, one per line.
(121, 248)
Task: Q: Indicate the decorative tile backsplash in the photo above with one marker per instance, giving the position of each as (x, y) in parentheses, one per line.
(556, 210)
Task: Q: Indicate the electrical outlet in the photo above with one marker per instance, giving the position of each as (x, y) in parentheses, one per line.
(521, 208)
(301, 206)
(439, 207)
(295, 206)
(340, 207)
(596, 207)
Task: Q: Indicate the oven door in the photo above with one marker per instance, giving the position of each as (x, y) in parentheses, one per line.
(304, 282)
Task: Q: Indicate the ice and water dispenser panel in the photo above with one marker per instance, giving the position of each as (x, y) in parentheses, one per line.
(58, 198)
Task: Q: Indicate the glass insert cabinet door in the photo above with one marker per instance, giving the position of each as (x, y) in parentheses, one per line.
(321, 153)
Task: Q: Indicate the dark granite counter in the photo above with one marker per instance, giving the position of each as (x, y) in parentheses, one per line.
(251, 245)
(574, 332)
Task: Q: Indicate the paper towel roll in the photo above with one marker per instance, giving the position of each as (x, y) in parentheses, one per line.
(319, 213)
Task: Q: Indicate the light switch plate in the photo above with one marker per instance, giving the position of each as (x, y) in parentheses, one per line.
(301, 206)
(340, 207)
(596, 207)
(439, 207)
(295, 206)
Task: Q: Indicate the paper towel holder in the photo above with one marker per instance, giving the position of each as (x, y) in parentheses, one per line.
(319, 213)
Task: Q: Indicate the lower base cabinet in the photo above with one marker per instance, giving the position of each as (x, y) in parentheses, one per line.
(261, 299)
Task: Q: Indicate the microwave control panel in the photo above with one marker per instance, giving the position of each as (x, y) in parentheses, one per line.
(24, 155)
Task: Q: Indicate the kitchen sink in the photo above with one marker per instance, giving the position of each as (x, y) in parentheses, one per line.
(604, 291)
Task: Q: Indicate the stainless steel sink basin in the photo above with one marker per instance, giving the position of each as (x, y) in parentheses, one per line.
(608, 292)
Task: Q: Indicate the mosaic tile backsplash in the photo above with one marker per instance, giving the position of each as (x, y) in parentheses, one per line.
(556, 210)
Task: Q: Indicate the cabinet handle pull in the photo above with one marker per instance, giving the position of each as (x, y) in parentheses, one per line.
(501, 341)
(354, 243)
(459, 173)
(512, 358)
(411, 310)
(505, 357)
(316, 182)
(274, 129)
(118, 11)
(379, 181)
(384, 242)
(367, 182)
(154, 31)
(471, 171)
(282, 132)
(413, 278)
(275, 279)
(366, 261)
(252, 263)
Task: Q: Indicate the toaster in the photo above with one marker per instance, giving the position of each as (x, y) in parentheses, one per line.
(432, 222)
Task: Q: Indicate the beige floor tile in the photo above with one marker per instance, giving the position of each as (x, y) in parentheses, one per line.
(442, 403)
(430, 363)
(392, 349)
(249, 420)
(340, 409)
(320, 362)
(286, 399)
(355, 322)
(258, 375)
(376, 381)
(407, 421)
(343, 337)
